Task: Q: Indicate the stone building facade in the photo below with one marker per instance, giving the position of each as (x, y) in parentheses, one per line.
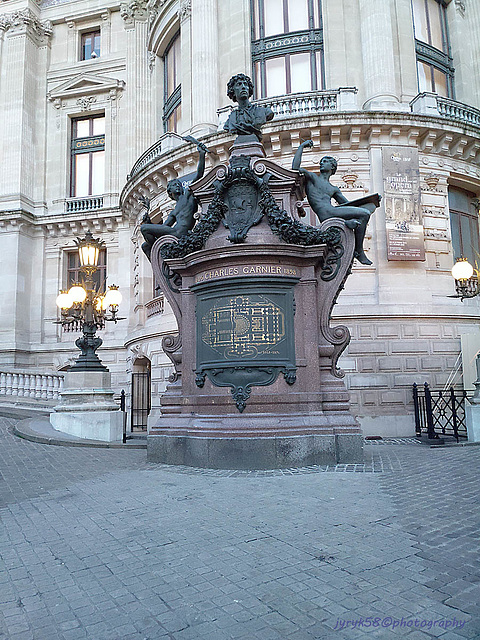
(95, 97)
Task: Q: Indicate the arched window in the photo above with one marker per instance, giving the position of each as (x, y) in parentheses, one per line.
(172, 88)
(434, 64)
(287, 46)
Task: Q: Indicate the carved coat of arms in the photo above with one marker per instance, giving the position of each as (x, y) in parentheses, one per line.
(243, 210)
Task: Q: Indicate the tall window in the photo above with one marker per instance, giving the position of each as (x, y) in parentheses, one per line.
(88, 156)
(434, 64)
(287, 46)
(464, 225)
(172, 95)
(74, 275)
(90, 45)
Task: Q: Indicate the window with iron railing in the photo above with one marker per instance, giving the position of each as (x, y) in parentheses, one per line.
(287, 46)
(172, 92)
(87, 156)
(435, 70)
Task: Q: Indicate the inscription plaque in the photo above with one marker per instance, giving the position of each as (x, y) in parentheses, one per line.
(245, 339)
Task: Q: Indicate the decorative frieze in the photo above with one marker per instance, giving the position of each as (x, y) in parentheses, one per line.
(185, 9)
(25, 21)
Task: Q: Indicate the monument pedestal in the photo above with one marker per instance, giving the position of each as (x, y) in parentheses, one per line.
(87, 409)
(256, 382)
(472, 420)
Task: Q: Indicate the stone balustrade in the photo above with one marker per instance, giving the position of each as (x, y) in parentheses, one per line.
(300, 104)
(30, 385)
(90, 203)
(165, 143)
(154, 306)
(431, 104)
(292, 105)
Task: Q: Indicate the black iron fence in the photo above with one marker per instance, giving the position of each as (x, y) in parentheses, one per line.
(141, 400)
(439, 413)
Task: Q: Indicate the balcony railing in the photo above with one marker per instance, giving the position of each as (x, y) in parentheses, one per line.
(296, 104)
(154, 306)
(165, 143)
(431, 104)
(30, 385)
(90, 203)
(299, 104)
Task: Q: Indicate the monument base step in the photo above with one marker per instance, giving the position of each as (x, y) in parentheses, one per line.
(255, 452)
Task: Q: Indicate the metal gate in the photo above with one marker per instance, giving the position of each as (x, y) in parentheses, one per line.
(439, 413)
(141, 401)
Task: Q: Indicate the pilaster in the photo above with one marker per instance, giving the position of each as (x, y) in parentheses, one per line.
(186, 63)
(24, 54)
(139, 127)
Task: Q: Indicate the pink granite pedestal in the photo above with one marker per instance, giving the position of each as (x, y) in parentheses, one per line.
(303, 416)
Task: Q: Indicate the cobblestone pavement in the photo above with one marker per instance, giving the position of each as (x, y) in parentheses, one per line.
(99, 544)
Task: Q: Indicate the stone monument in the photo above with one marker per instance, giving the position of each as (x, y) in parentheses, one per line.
(256, 382)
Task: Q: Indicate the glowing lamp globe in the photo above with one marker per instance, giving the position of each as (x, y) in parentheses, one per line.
(64, 300)
(77, 293)
(113, 297)
(462, 270)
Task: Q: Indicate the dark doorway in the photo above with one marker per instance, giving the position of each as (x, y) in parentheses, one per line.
(141, 396)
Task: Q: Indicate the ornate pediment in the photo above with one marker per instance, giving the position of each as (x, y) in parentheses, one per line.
(86, 84)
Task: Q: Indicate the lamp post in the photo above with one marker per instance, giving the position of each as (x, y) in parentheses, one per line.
(466, 286)
(84, 305)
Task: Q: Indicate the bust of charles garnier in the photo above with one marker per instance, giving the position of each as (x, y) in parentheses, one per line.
(247, 119)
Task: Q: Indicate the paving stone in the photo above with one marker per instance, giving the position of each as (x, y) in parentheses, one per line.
(99, 544)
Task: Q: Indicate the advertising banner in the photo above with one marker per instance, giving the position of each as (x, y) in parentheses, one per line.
(401, 183)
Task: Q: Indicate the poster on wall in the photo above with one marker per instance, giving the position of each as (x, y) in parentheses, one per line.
(401, 183)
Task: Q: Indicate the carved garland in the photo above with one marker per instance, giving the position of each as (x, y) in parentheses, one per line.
(291, 231)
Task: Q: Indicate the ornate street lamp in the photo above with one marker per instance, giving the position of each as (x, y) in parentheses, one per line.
(466, 286)
(83, 305)
(466, 279)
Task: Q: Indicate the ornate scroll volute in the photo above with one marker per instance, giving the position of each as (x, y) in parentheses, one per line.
(332, 273)
(168, 280)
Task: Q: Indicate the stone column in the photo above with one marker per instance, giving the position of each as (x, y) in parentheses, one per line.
(205, 66)
(139, 134)
(187, 64)
(378, 55)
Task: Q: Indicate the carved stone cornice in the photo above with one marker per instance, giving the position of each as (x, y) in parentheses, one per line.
(134, 11)
(185, 10)
(25, 21)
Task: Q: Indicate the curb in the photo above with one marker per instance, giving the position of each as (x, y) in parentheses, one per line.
(23, 429)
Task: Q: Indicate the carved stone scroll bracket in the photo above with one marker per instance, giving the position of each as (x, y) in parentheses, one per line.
(168, 281)
(338, 336)
(172, 346)
(241, 379)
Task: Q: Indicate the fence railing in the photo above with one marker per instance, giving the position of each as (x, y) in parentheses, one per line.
(30, 385)
(439, 413)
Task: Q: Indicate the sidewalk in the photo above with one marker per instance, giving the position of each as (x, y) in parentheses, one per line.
(98, 544)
